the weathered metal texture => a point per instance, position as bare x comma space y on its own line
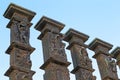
116, 54
81, 62
105, 62
19, 49
55, 59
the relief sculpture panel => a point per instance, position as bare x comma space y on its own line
20, 32
57, 46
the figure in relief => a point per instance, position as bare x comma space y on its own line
57, 46
23, 59
62, 49
111, 64
53, 47
23, 32
62, 46
14, 28
84, 57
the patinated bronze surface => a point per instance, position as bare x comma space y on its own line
106, 64
116, 54
55, 59
19, 49
81, 62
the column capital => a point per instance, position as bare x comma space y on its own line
74, 37
104, 59
12, 68
98, 42
115, 52
12, 9
20, 46
56, 61
100, 47
46, 24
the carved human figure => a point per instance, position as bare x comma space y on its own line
23, 59
20, 31
23, 33
78, 51
15, 32
53, 47
111, 64
86, 61
62, 46
28, 61
57, 46
62, 49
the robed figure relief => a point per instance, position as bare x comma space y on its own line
57, 46
85, 64
20, 32
111, 64
22, 58
83, 55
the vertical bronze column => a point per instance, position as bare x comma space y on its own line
19, 49
82, 63
116, 54
55, 60
105, 62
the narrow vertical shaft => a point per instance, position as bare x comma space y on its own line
116, 54
19, 49
81, 61
106, 64
55, 59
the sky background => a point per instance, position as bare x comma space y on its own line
96, 18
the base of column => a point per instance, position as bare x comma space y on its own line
109, 78
54, 60
82, 67
12, 68
55, 71
20, 46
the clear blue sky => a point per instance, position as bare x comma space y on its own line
96, 18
